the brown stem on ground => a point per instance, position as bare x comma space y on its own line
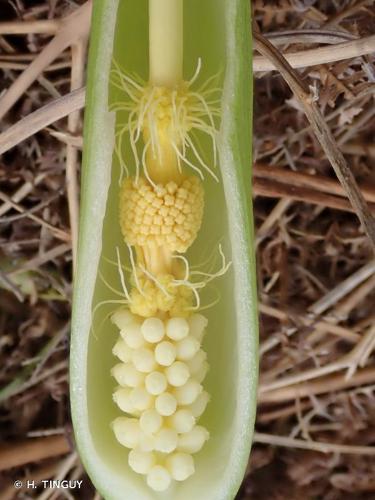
320, 55
41, 118
289, 442
73, 28
339, 331
72, 157
322, 132
32, 450
49, 26
298, 179
58, 233
265, 416
321, 386
275, 189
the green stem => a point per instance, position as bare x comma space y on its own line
166, 42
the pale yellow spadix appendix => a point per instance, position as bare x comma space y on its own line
163, 359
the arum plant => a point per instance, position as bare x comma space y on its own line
164, 340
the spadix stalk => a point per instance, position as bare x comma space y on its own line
166, 42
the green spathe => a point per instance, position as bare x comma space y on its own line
231, 341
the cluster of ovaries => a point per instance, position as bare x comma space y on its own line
162, 364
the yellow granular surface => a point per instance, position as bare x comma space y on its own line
164, 103
149, 298
167, 215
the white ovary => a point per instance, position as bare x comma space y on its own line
144, 360
150, 421
121, 397
141, 399
153, 330
192, 441
166, 440
132, 335
187, 348
165, 353
166, 404
127, 431
126, 374
122, 318
200, 375
122, 351
159, 478
180, 466
141, 461
197, 326
195, 364
199, 405
146, 442
177, 374
177, 328
183, 420
188, 393
156, 383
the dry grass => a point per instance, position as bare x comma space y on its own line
316, 270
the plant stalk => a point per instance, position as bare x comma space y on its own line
165, 42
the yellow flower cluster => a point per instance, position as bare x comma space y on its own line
162, 113
151, 297
167, 215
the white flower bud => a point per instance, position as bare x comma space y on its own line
126, 431
150, 421
177, 374
156, 383
177, 328
141, 399
183, 420
195, 364
127, 375
192, 442
200, 375
166, 440
188, 393
145, 442
144, 360
187, 348
122, 318
122, 351
133, 336
165, 404
141, 461
152, 330
197, 408
158, 478
165, 353
197, 324
180, 466
121, 397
